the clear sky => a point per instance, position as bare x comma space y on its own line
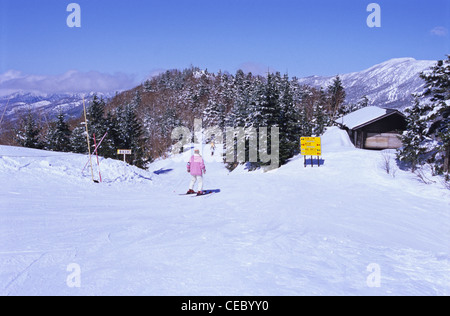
131, 39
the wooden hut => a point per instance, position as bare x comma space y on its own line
374, 127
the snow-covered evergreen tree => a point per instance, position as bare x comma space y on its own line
215, 110
150, 85
129, 133
58, 135
336, 93
255, 117
288, 121
363, 102
111, 143
78, 141
214, 113
305, 119
265, 107
413, 151
243, 94
438, 116
28, 135
320, 116
96, 118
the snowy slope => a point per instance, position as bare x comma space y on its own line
389, 84
292, 231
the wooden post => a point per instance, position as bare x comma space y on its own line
98, 162
87, 138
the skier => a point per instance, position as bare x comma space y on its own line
196, 167
213, 148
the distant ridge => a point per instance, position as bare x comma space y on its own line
389, 84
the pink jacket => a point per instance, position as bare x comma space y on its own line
196, 165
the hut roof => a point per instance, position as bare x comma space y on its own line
365, 116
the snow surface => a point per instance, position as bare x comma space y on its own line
292, 231
361, 116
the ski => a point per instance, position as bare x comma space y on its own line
207, 192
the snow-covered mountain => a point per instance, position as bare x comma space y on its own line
389, 84
46, 105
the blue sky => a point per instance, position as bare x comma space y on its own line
133, 39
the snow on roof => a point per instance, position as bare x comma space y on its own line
361, 116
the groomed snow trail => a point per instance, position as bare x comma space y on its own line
292, 231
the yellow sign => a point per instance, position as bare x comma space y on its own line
124, 151
311, 146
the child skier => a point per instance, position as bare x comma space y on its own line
196, 167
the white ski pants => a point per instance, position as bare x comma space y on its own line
194, 180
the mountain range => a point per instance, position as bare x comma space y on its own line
389, 85
15, 105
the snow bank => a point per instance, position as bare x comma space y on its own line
335, 139
73, 167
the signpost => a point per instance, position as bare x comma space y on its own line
311, 146
124, 152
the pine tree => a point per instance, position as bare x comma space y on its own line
321, 120
306, 124
129, 134
214, 113
96, 117
363, 102
97, 123
58, 135
110, 144
268, 113
215, 110
352, 107
288, 122
150, 85
438, 88
272, 111
169, 120
258, 103
78, 143
137, 99
413, 151
337, 96
307, 100
29, 133
243, 94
